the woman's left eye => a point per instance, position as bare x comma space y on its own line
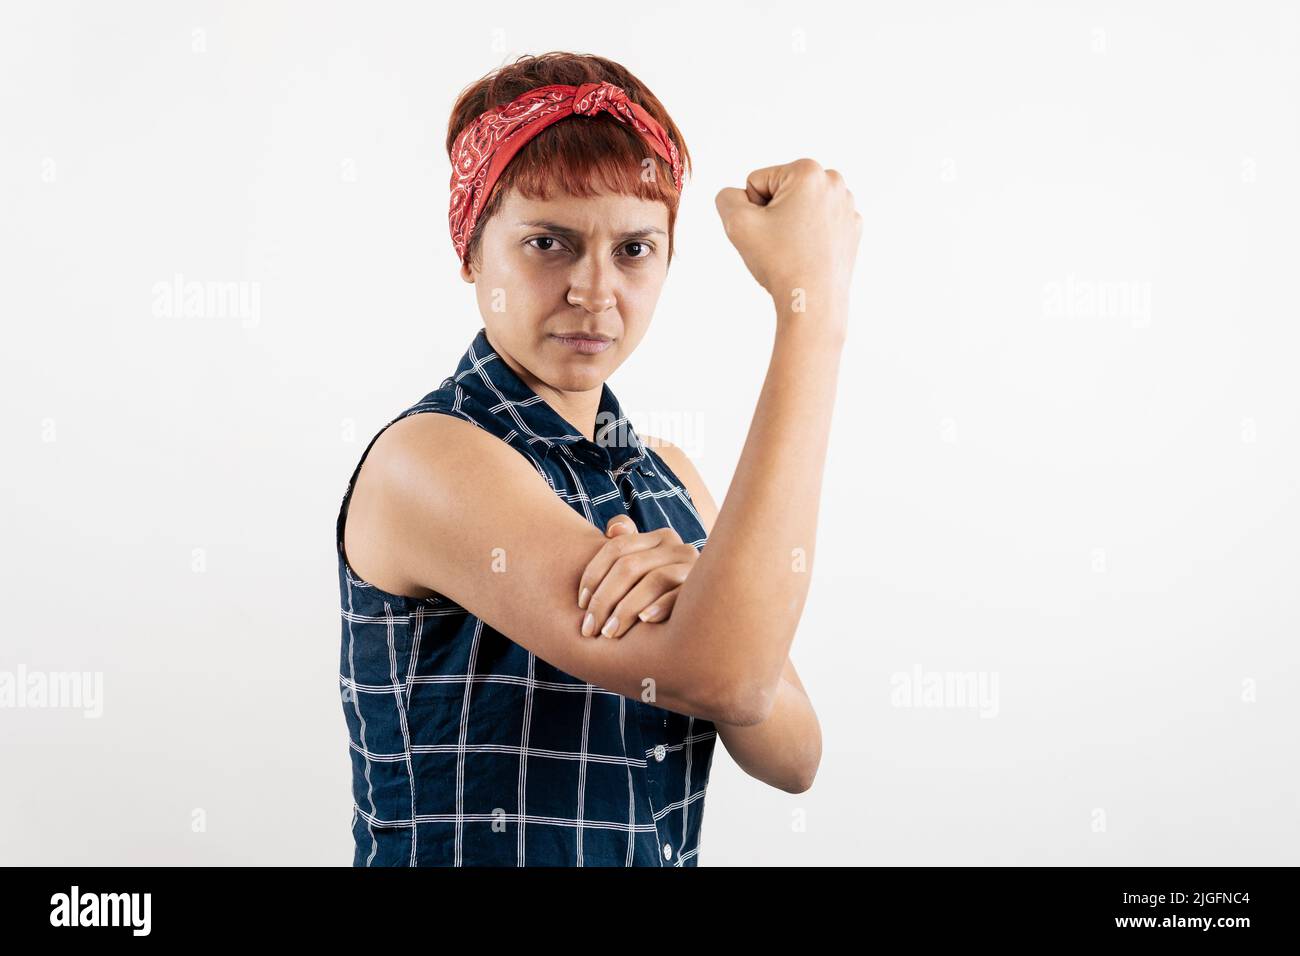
639, 245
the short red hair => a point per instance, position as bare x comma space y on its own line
580, 156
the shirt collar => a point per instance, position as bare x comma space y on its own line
495, 386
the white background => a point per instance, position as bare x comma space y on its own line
1095, 506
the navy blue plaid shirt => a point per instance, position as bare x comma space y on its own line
468, 749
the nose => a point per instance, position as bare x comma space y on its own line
591, 284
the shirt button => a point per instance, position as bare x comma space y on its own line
668, 851
660, 751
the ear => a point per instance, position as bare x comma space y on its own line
466, 273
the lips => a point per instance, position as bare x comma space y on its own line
584, 343
592, 336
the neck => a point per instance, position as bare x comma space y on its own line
579, 409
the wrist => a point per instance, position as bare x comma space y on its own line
822, 311
807, 337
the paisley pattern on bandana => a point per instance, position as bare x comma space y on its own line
485, 146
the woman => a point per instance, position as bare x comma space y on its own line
538, 652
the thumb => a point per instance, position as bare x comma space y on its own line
733, 207
620, 524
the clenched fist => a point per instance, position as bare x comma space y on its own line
796, 228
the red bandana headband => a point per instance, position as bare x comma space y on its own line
485, 146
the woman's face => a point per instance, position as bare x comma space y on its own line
553, 268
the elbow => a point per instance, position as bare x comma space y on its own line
802, 783
731, 691
805, 760
746, 703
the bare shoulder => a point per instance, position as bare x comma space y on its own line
685, 469
422, 467
425, 456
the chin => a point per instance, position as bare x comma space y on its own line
579, 380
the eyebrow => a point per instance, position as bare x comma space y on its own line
567, 231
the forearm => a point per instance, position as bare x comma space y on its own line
738, 611
784, 750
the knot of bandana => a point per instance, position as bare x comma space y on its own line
590, 98
483, 149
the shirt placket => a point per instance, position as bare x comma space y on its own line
654, 727
651, 724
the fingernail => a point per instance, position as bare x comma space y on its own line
588, 624
610, 627
582, 598
649, 613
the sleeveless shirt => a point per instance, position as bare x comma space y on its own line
469, 750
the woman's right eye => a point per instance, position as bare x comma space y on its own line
550, 239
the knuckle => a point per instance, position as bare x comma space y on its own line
672, 576
633, 562
617, 571
632, 567
677, 574
659, 576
